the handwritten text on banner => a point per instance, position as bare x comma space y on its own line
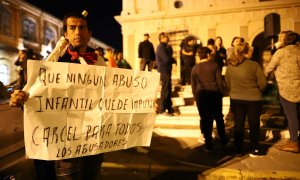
77, 110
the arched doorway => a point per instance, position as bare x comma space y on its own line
261, 45
262, 54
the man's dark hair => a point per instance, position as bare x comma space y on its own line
146, 35
75, 15
210, 41
162, 34
203, 51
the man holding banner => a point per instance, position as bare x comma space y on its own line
74, 111
77, 33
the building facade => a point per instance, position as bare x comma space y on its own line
202, 18
23, 26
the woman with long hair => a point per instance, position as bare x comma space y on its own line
220, 57
245, 80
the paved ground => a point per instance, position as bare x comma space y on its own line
176, 152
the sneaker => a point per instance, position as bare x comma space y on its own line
167, 114
289, 146
256, 153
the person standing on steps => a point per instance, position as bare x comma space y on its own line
146, 53
164, 61
207, 88
188, 48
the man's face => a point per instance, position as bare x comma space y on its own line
146, 37
77, 32
164, 39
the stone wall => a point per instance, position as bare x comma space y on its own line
204, 18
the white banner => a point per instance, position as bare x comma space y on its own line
78, 110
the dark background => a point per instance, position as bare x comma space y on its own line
101, 16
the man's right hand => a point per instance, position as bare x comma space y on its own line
18, 98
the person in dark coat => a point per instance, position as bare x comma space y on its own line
220, 56
207, 88
187, 58
146, 53
164, 61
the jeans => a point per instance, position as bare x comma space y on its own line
241, 110
146, 62
187, 64
292, 113
209, 104
88, 168
165, 94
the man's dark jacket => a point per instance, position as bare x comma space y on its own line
146, 50
164, 59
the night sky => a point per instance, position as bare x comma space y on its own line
104, 27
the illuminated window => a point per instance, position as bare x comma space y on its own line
4, 74
50, 36
29, 29
5, 27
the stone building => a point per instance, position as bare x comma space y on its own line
23, 25
204, 19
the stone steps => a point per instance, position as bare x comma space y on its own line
186, 124
192, 110
177, 122
189, 127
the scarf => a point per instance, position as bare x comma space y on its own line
89, 57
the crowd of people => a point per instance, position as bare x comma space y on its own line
238, 73
244, 80
235, 72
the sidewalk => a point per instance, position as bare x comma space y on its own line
181, 151
275, 165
